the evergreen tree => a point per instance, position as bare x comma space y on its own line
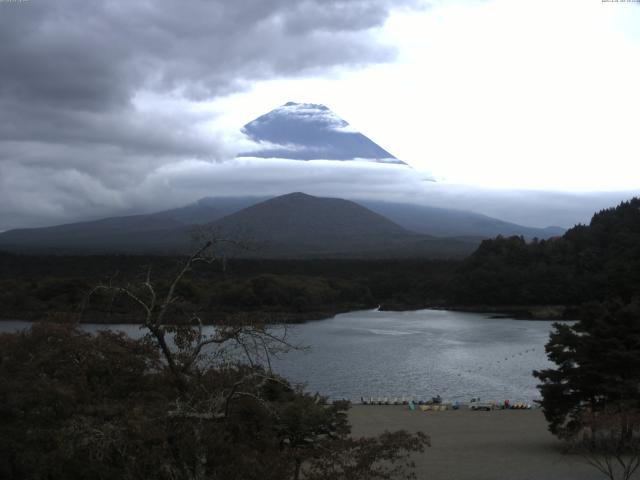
598, 366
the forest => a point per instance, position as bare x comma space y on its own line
48, 287
590, 262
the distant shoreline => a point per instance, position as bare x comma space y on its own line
515, 312
218, 318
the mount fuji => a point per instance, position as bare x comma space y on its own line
309, 131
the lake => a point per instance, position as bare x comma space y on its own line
421, 353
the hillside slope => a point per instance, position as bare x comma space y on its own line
299, 224
445, 222
589, 262
295, 225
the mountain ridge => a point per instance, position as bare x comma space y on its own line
170, 231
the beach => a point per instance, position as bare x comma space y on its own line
478, 445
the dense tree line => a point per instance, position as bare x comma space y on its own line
589, 262
41, 287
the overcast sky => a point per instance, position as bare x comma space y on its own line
516, 107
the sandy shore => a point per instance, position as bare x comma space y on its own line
468, 445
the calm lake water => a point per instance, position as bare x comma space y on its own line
419, 353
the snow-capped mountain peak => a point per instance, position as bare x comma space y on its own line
309, 131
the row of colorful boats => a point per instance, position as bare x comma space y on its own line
398, 401
436, 404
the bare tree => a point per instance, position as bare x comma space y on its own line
610, 441
313, 435
184, 342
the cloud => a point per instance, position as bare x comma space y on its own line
73, 54
70, 194
103, 95
106, 108
499, 93
353, 179
535, 208
365, 180
539, 94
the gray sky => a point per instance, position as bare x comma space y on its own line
118, 107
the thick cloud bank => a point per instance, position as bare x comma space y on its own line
366, 180
183, 182
97, 97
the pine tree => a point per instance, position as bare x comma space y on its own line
598, 367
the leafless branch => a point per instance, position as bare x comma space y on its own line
257, 343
